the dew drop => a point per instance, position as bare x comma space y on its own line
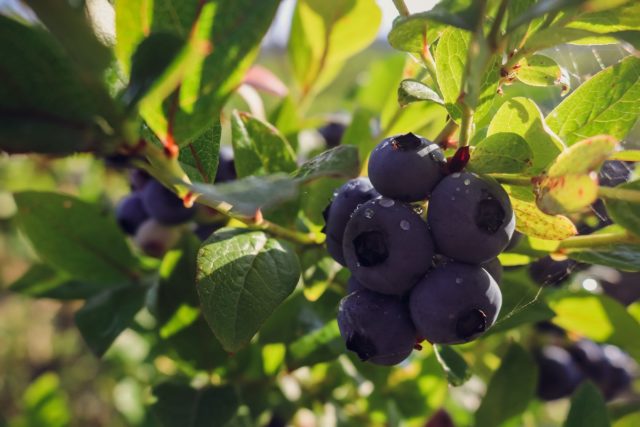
404, 224
467, 181
386, 203
458, 280
368, 213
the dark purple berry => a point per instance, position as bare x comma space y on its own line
470, 217
226, 165
376, 327
353, 285
387, 246
155, 239
494, 268
558, 374
337, 213
131, 213
406, 167
455, 303
548, 272
332, 133
165, 206
138, 179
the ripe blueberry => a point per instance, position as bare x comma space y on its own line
376, 327
471, 218
165, 206
332, 133
455, 303
549, 272
138, 179
591, 358
558, 374
353, 285
406, 167
622, 367
338, 212
387, 246
131, 213
494, 268
155, 239
226, 165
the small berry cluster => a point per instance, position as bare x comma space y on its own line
561, 370
152, 214
415, 279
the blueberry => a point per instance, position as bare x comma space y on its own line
165, 206
353, 285
131, 213
622, 367
332, 133
155, 239
138, 179
558, 374
387, 246
455, 303
440, 419
591, 358
515, 239
376, 327
337, 213
226, 165
494, 268
614, 172
471, 218
548, 272
203, 231
406, 167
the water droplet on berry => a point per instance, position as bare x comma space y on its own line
404, 224
386, 203
458, 280
467, 181
368, 213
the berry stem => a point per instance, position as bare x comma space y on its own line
466, 124
402, 7
623, 194
494, 35
445, 136
595, 240
506, 178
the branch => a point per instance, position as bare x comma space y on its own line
623, 194
402, 7
594, 240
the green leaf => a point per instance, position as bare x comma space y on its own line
46, 104
626, 156
106, 315
521, 303
539, 9
597, 317
584, 156
77, 237
244, 197
501, 153
623, 18
199, 159
42, 281
359, 133
587, 408
531, 221
417, 32
411, 90
242, 277
258, 147
222, 43
624, 213
321, 345
506, 398
451, 57
453, 364
567, 193
590, 110
630, 420
68, 24
180, 405
622, 256
44, 403
540, 70
338, 162
383, 77
325, 34
151, 59
523, 117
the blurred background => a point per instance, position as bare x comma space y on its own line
47, 375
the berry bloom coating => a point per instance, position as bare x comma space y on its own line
558, 374
155, 239
455, 303
337, 213
353, 285
387, 246
226, 165
471, 218
376, 327
406, 167
165, 206
131, 213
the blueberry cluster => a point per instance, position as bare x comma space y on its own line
415, 278
152, 214
561, 370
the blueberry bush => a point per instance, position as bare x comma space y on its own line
453, 239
